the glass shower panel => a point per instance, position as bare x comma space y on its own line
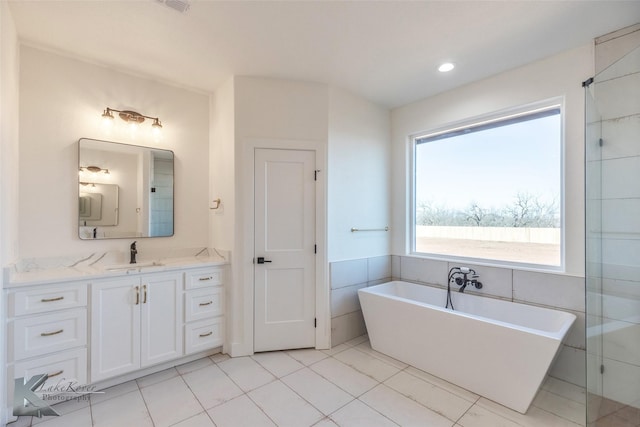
593, 246
612, 203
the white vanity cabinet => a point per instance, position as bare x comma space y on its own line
47, 332
204, 309
135, 322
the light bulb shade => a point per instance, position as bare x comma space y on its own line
106, 115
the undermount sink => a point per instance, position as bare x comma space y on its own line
137, 265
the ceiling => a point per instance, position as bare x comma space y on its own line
385, 51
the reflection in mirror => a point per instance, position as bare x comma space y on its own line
125, 190
98, 204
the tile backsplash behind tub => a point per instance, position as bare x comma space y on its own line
346, 278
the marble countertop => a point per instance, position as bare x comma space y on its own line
39, 271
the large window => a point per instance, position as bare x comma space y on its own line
492, 189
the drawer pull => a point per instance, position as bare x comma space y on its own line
48, 334
55, 374
206, 335
137, 295
51, 299
202, 279
145, 294
205, 303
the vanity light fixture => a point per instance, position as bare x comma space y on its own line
93, 169
132, 118
446, 67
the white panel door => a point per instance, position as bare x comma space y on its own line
285, 239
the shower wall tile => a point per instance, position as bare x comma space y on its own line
621, 342
594, 303
612, 268
620, 259
621, 216
622, 288
347, 273
594, 180
622, 308
345, 300
424, 270
620, 137
622, 382
379, 268
554, 290
619, 97
617, 174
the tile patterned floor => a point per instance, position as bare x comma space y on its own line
349, 385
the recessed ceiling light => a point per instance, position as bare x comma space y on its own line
447, 66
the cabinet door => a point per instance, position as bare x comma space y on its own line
161, 331
115, 327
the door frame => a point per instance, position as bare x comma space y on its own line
243, 342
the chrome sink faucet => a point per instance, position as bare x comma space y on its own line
133, 251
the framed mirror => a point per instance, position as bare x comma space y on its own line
124, 191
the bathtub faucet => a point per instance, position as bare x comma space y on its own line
465, 281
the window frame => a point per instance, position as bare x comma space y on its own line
474, 121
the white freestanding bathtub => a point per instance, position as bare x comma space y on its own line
498, 349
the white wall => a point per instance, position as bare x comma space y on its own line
559, 75
247, 112
359, 177
61, 100
221, 164
9, 82
272, 113
222, 186
9, 79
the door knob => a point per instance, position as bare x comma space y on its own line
261, 260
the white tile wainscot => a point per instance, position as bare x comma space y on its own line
98, 327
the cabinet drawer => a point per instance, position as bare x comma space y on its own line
203, 277
62, 368
203, 303
38, 335
41, 300
203, 335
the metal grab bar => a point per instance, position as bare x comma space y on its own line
353, 230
